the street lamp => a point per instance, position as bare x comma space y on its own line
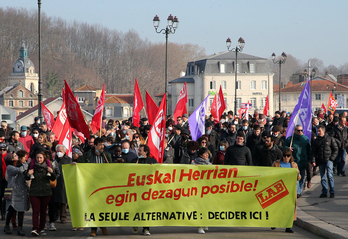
173, 24
281, 61
40, 75
237, 49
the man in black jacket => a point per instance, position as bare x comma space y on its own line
342, 142
324, 152
238, 154
268, 153
253, 138
230, 135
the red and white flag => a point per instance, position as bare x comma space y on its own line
98, 114
218, 106
266, 108
151, 108
214, 110
332, 105
60, 120
48, 116
181, 107
74, 113
80, 135
323, 108
247, 112
157, 133
66, 138
138, 104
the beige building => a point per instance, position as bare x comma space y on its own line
320, 93
204, 76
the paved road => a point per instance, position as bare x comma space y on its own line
64, 231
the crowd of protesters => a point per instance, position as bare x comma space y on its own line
32, 159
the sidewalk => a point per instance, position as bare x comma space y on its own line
326, 217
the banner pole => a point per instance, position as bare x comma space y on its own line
296, 118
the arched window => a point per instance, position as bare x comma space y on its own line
21, 93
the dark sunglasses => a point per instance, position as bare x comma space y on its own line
287, 155
300, 130
3, 149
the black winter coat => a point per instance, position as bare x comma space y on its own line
40, 186
238, 155
324, 149
266, 156
341, 135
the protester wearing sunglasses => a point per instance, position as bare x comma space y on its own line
287, 161
299, 144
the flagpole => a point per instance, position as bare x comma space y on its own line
296, 118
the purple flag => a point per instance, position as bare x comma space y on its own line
302, 114
197, 120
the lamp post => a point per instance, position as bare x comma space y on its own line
173, 23
40, 75
237, 49
281, 61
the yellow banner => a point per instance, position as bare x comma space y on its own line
131, 195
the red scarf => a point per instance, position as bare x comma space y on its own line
4, 167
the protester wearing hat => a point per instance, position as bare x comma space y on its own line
14, 145
213, 136
180, 146
8, 130
77, 155
144, 121
277, 119
185, 123
26, 139
175, 135
36, 124
3, 182
35, 135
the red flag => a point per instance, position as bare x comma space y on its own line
221, 103
181, 107
74, 113
214, 110
60, 120
48, 116
98, 114
151, 108
157, 132
332, 104
266, 108
323, 108
218, 106
138, 104
241, 112
66, 138
80, 135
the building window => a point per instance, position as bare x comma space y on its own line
212, 85
6, 117
336, 95
253, 103
125, 112
252, 68
190, 101
317, 96
239, 85
30, 103
20, 103
222, 68
81, 99
238, 68
108, 112
223, 85
10, 103
21, 93
263, 102
253, 85
239, 103
263, 85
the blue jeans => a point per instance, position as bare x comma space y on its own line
302, 180
341, 162
329, 175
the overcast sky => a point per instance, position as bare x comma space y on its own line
304, 29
